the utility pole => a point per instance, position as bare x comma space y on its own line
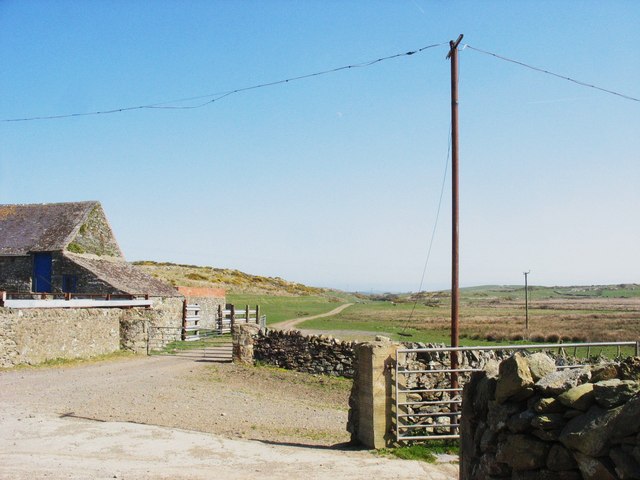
526, 301
455, 264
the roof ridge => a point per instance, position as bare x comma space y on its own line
46, 204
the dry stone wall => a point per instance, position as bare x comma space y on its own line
310, 354
528, 420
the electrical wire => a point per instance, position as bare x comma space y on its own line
433, 233
537, 69
220, 95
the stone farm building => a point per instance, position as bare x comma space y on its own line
68, 251
67, 248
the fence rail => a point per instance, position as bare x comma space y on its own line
434, 412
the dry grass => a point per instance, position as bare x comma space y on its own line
607, 319
233, 281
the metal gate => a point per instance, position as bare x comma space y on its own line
195, 339
426, 405
207, 344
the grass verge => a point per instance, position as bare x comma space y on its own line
424, 452
69, 362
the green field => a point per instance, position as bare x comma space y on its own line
488, 315
280, 308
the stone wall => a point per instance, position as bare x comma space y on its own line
15, 273
95, 236
135, 323
528, 420
309, 354
36, 335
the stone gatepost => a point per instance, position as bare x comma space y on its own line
243, 335
371, 415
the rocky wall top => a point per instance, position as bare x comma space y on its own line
530, 420
311, 354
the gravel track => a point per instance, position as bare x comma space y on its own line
170, 417
290, 324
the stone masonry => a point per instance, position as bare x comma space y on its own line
528, 420
34, 336
309, 354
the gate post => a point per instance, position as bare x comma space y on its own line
220, 320
233, 316
371, 415
183, 333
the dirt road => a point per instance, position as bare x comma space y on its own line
290, 324
167, 417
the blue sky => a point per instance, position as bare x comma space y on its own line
334, 180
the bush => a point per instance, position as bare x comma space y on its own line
553, 338
196, 276
537, 337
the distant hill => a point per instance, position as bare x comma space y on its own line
233, 281
507, 293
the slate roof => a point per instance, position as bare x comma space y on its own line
123, 276
40, 227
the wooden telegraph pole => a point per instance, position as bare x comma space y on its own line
526, 302
455, 264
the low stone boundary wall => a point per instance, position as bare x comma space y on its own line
309, 354
135, 323
34, 336
528, 420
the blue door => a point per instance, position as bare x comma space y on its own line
42, 272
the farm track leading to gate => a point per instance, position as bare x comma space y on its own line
141, 418
290, 324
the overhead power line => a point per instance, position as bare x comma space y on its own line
214, 97
542, 70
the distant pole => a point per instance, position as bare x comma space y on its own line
526, 301
455, 264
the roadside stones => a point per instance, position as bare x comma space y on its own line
548, 405
577, 423
589, 433
560, 459
625, 465
557, 382
603, 372
579, 397
630, 369
515, 380
593, 468
550, 421
614, 392
540, 365
521, 452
